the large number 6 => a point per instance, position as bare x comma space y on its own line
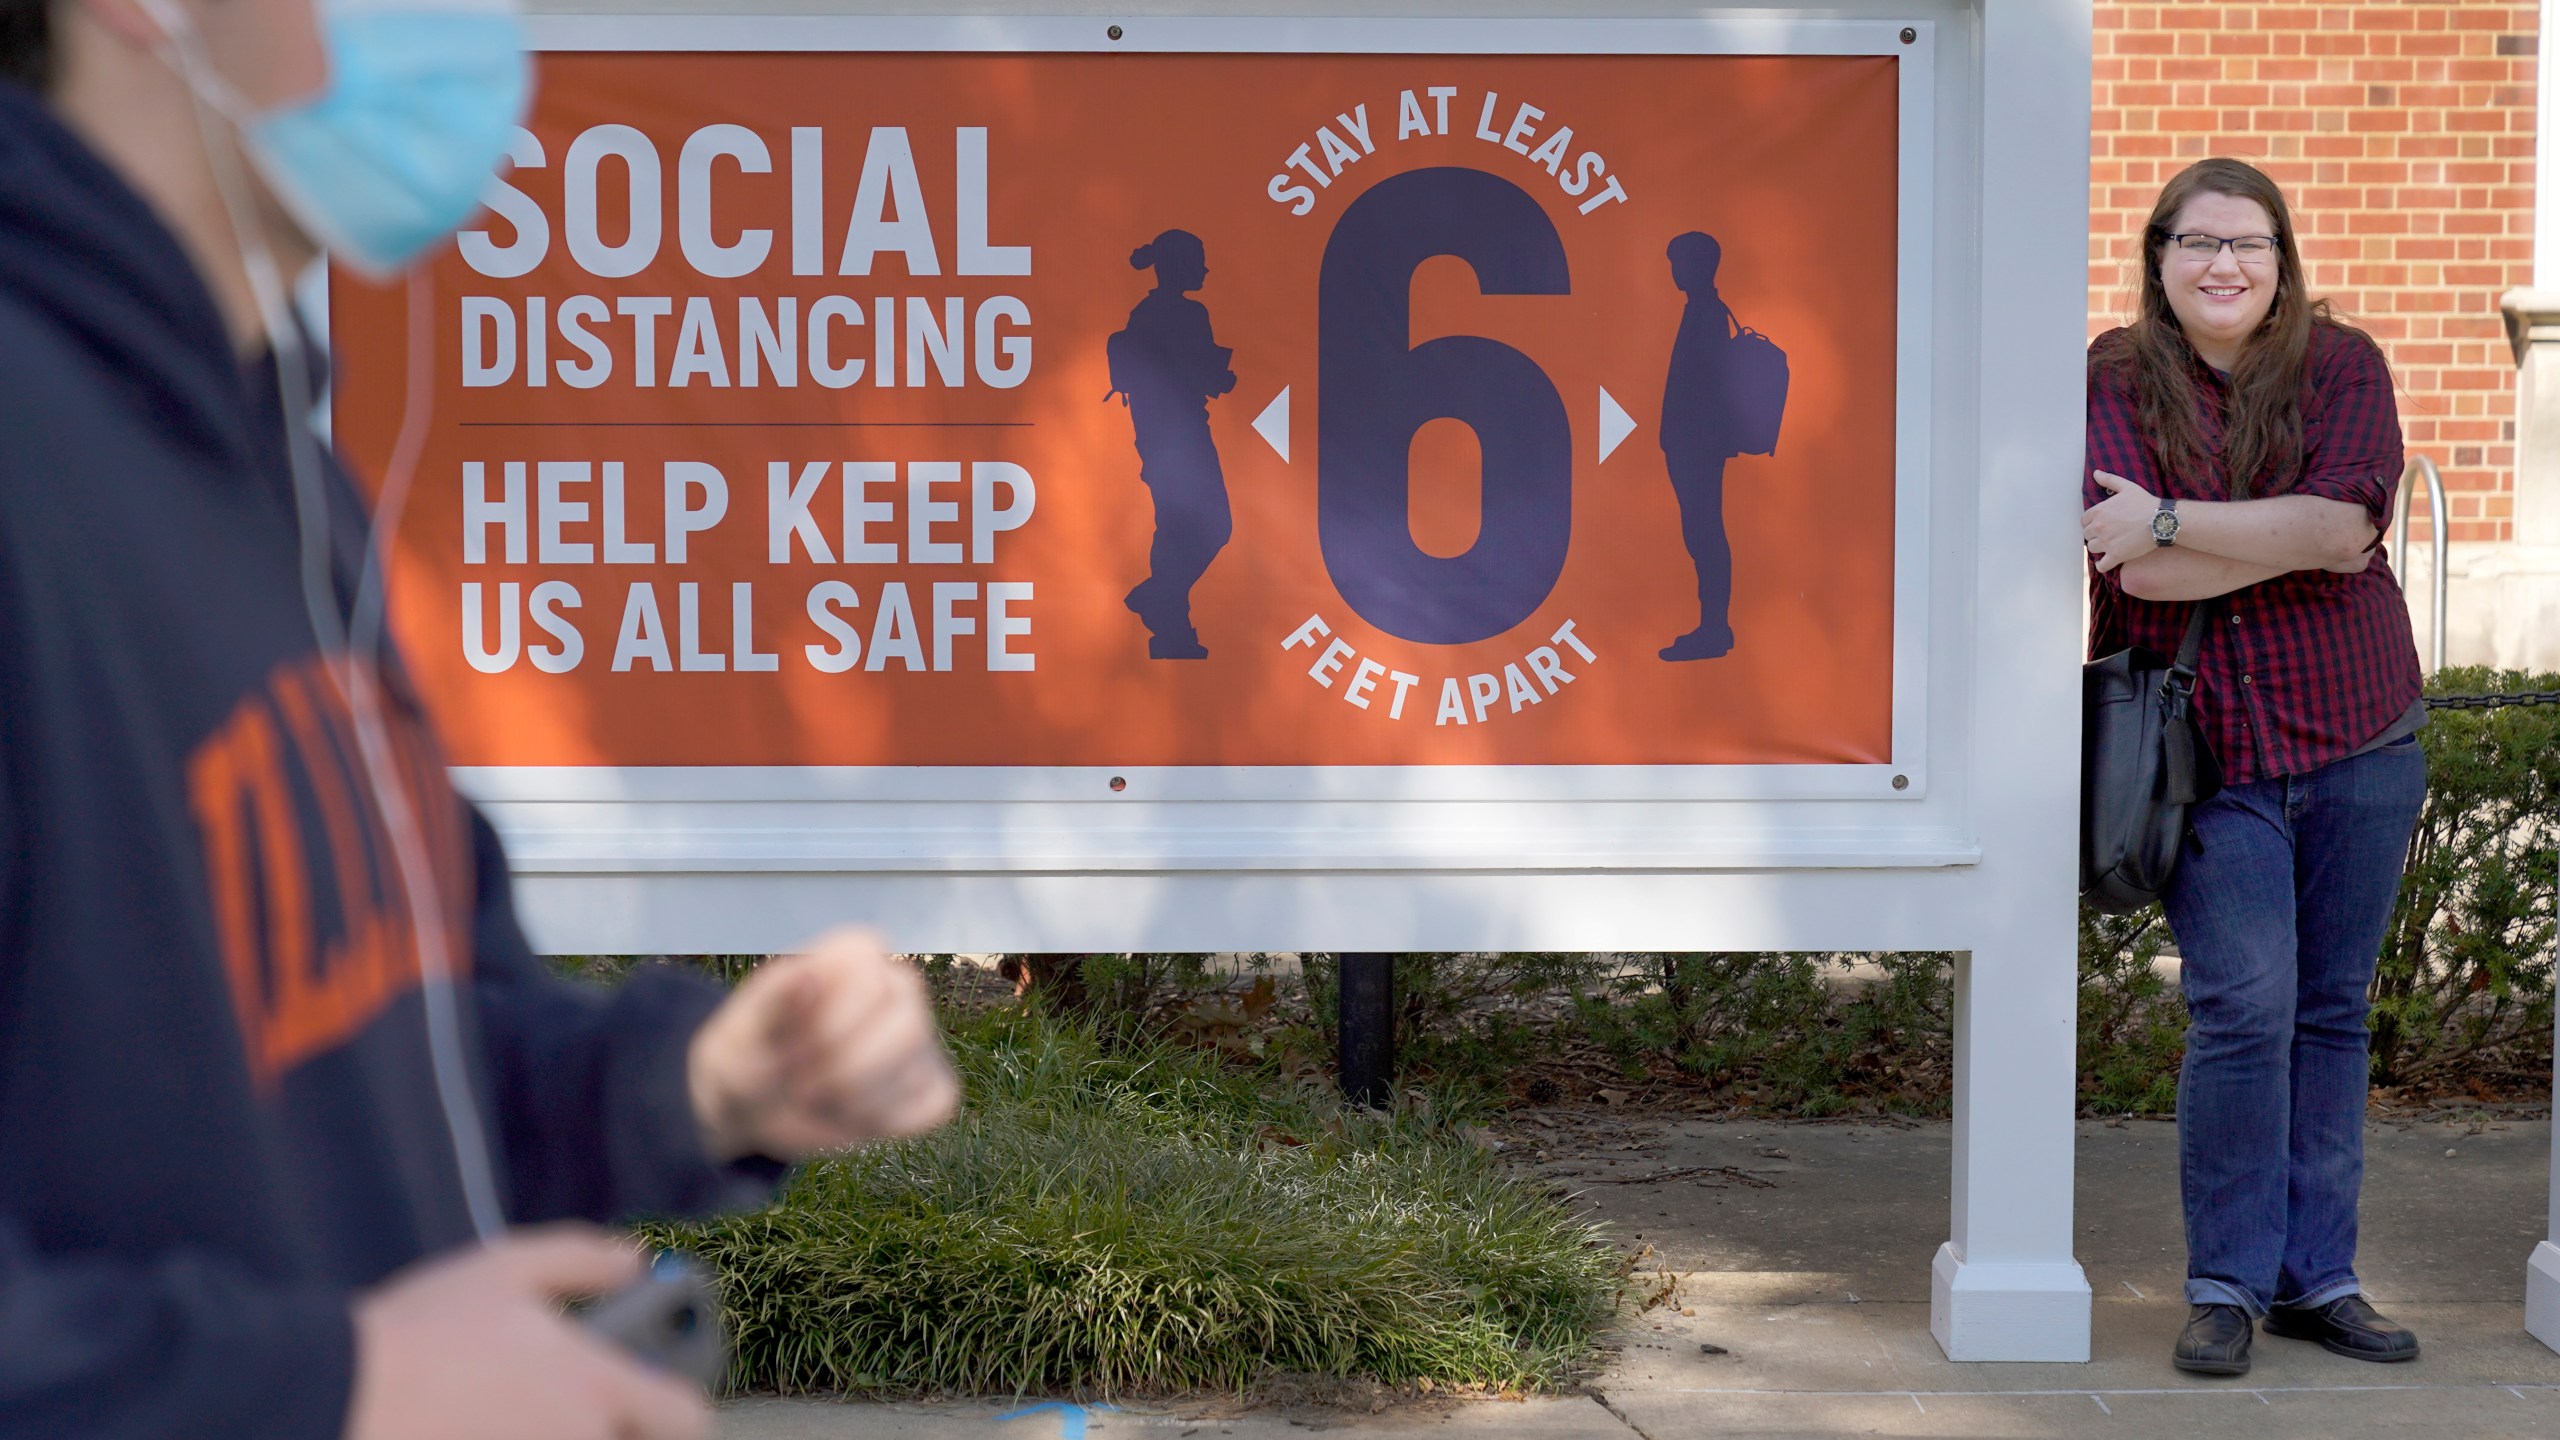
1375, 388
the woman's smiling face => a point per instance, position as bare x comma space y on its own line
2219, 301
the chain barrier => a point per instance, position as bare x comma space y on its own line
2492, 702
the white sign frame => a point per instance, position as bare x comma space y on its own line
1974, 853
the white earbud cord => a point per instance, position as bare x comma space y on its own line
354, 660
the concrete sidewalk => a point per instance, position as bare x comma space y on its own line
1803, 1254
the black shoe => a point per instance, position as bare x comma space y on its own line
2349, 1326
2215, 1342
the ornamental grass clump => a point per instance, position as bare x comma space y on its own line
1139, 1219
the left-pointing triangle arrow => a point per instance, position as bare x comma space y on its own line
1273, 423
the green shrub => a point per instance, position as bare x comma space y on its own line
2464, 984
1135, 1218
611, 969
1785, 1026
1463, 1018
1139, 987
2133, 1024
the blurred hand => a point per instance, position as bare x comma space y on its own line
820, 1051
2354, 565
472, 1345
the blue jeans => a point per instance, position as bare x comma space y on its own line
2279, 907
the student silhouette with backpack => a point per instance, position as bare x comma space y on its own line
1724, 396
1166, 368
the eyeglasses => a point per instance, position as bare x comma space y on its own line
2206, 247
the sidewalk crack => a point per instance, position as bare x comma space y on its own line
1612, 1407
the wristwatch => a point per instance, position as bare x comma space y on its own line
2164, 522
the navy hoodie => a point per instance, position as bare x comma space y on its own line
217, 1118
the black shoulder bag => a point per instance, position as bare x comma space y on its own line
2143, 765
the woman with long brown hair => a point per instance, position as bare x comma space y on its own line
2243, 452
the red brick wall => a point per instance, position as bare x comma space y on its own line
2402, 134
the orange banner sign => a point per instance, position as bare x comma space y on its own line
1048, 410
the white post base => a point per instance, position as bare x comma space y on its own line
2542, 1294
2012, 1312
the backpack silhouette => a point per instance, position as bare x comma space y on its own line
1756, 394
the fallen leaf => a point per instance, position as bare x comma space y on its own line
1261, 997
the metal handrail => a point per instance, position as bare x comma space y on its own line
2436, 541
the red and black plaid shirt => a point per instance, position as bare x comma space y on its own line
2308, 667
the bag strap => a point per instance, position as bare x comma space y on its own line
2191, 649
2182, 776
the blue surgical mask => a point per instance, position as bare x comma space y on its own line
422, 101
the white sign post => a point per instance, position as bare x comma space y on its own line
1962, 838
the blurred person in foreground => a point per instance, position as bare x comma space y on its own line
247, 1186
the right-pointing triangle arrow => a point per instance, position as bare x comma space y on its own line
1273, 423
1615, 423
